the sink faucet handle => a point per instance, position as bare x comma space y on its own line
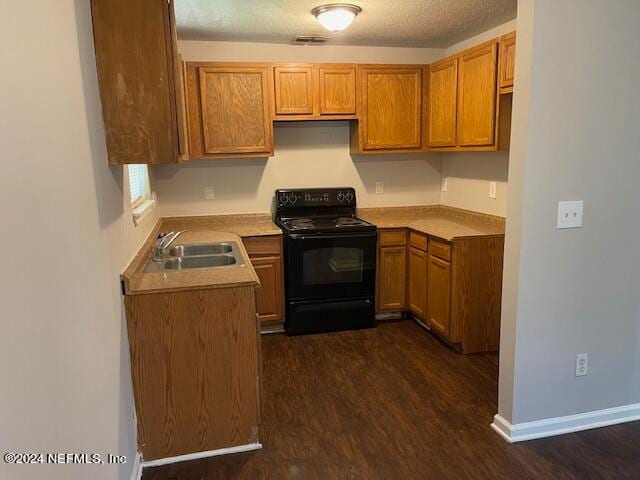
163, 241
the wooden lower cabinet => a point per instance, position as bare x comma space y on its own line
392, 278
269, 298
417, 285
454, 287
392, 270
266, 256
195, 370
439, 295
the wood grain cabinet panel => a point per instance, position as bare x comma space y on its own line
391, 113
507, 59
229, 110
139, 98
392, 277
443, 89
294, 90
337, 90
439, 295
392, 238
266, 256
269, 296
234, 111
195, 367
417, 286
477, 96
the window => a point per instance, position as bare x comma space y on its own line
140, 191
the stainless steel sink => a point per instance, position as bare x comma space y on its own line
192, 249
203, 261
198, 255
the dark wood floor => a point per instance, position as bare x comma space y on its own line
394, 403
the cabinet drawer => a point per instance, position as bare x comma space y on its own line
418, 241
440, 250
390, 238
261, 246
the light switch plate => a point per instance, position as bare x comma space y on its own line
445, 184
209, 193
570, 214
379, 187
493, 189
582, 364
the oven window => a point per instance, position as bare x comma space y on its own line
332, 265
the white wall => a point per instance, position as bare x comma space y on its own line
468, 174
277, 52
575, 137
67, 234
306, 154
498, 31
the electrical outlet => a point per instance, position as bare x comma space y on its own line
379, 187
493, 189
582, 360
570, 214
209, 193
445, 184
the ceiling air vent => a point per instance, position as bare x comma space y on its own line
307, 39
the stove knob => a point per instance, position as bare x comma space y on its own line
284, 198
349, 196
340, 197
293, 198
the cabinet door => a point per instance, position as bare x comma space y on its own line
269, 296
418, 282
138, 97
391, 116
439, 295
392, 278
477, 96
337, 91
235, 109
507, 59
443, 88
294, 90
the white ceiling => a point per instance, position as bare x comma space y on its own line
403, 23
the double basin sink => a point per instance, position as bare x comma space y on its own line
198, 255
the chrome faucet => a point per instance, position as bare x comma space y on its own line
163, 242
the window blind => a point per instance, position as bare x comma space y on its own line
138, 182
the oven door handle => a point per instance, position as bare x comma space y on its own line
332, 237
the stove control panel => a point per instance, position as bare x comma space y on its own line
316, 197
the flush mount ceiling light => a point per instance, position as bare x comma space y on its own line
335, 17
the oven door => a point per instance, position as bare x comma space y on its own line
327, 266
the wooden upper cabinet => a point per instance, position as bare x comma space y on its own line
507, 59
443, 89
229, 110
314, 91
391, 113
294, 90
337, 90
139, 98
477, 96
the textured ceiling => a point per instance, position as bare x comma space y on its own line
404, 23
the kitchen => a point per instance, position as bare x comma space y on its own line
307, 242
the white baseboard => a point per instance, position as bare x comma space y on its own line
136, 473
196, 456
550, 427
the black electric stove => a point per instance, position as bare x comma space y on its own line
330, 260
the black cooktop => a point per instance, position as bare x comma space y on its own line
331, 224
